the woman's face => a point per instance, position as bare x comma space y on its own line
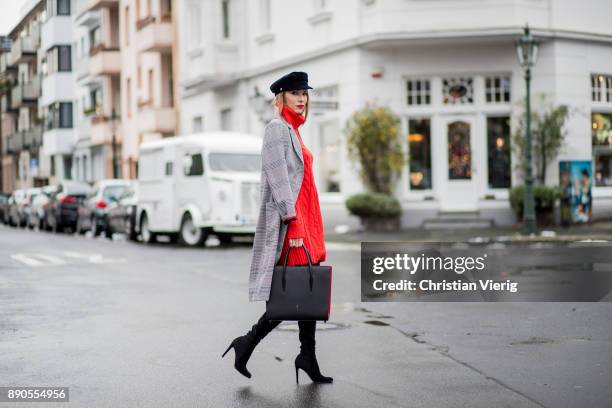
296, 100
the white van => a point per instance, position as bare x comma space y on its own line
196, 185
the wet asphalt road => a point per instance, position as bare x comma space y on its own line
128, 325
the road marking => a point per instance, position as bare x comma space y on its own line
92, 258
35, 259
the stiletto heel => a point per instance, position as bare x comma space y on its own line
228, 349
296, 376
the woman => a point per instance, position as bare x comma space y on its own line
289, 195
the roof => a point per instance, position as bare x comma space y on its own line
217, 141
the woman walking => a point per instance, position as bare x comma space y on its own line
289, 217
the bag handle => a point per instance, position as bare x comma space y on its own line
311, 278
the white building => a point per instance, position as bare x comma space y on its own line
447, 67
58, 88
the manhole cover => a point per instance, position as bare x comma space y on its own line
293, 326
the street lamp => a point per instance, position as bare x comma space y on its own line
114, 143
527, 49
261, 106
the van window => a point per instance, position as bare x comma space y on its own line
235, 162
193, 165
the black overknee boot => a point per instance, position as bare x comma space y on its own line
307, 359
244, 345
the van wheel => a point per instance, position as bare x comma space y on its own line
189, 234
147, 236
224, 238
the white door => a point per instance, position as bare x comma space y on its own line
458, 191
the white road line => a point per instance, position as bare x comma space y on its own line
35, 259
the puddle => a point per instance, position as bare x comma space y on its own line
533, 340
321, 326
376, 323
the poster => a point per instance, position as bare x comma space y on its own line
576, 183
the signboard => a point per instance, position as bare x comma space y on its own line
576, 181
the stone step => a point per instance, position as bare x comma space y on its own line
457, 220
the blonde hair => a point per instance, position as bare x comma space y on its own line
279, 101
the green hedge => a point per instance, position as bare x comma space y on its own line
544, 197
374, 205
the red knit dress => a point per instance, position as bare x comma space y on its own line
308, 223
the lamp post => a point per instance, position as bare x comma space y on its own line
114, 142
260, 104
527, 49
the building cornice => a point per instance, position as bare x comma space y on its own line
500, 35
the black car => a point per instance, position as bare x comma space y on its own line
4, 208
62, 209
121, 214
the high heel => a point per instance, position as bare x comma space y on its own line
244, 345
307, 359
296, 376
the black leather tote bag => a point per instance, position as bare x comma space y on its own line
300, 292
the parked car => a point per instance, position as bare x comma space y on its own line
43, 209
196, 185
31, 194
38, 206
4, 198
121, 215
16, 208
62, 209
92, 211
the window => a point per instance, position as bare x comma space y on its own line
459, 151
457, 91
197, 124
195, 25
226, 119
58, 115
497, 89
418, 91
67, 167
419, 153
63, 7
235, 162
58, 59
128, 97
193, 165
226, 22
264, 19
127, 25
601, 88
329, 162
169, 168
601, 129
498, 141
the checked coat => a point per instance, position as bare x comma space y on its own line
282, 173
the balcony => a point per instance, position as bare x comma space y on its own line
7, 72
58, 141
155, 34
13, 143
24, 48
104, 61
32, 137
25, 93
102, 130
97, 4
153, 119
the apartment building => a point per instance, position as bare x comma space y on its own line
98, 93
448, 68
148, 97
21, 124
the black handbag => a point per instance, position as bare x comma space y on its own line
300, 292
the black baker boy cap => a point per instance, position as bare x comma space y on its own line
294, 81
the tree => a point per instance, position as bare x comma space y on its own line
374, 141
547, 129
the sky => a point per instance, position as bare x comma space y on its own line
9, 14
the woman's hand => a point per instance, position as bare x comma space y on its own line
296, 242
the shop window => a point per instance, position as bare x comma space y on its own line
497, 89
418, 92
329, 164
419, 153
498, 145
458, 91
602, 148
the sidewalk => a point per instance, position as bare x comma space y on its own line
601, 230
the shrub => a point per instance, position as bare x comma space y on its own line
544, 197
367, 205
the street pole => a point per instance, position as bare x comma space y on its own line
529, 206
114, 143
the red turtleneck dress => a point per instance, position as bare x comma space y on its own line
308, 223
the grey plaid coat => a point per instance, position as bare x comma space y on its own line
282, 172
